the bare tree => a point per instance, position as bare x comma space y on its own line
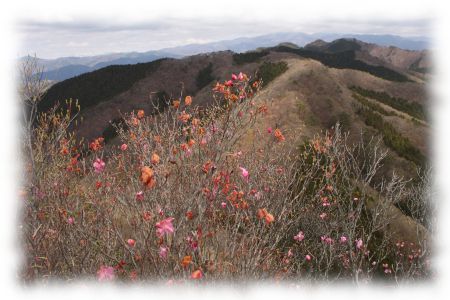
32, 87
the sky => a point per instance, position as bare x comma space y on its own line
156, 27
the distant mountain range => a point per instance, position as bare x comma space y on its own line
67, 67
364, 86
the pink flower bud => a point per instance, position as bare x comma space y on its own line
140, 196
299, 237
131, 242
163, 251
359, 243
245, 173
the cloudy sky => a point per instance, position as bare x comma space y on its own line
78, 32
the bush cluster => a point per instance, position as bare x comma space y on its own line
414, 109
182, 199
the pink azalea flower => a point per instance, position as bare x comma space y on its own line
40, 194
229, 83
164, 226
245, 173
214, 129
308, 257
223, 204
123, 147
163, 251
214, 192
192, 243
359, 243
240, 76
290, 253
131, 242
140, 196
234, 77
70, 220
269, 130
299, 237
170, 282
99, 165
343, 239
105, 273
326, 240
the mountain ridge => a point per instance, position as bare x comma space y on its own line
324, 87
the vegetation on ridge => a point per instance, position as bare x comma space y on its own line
268, 71
394, 140
248, 57
411, 108
95, 87
346, 60
204, 76
182, 200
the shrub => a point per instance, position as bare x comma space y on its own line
373, 106
268, 71
346, 60
204, 76
412, 108
394, 140
248, 57
182, 199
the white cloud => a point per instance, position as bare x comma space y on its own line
88, 36
143, 27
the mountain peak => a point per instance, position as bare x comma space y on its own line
289, 45
317, 44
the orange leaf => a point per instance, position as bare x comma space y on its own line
155, 159
140, 114
269, 218
197, 274
188, 100
186, 261
147, 177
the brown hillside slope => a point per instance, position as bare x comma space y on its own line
310, 97
302, 108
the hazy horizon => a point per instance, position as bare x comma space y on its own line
79, 38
